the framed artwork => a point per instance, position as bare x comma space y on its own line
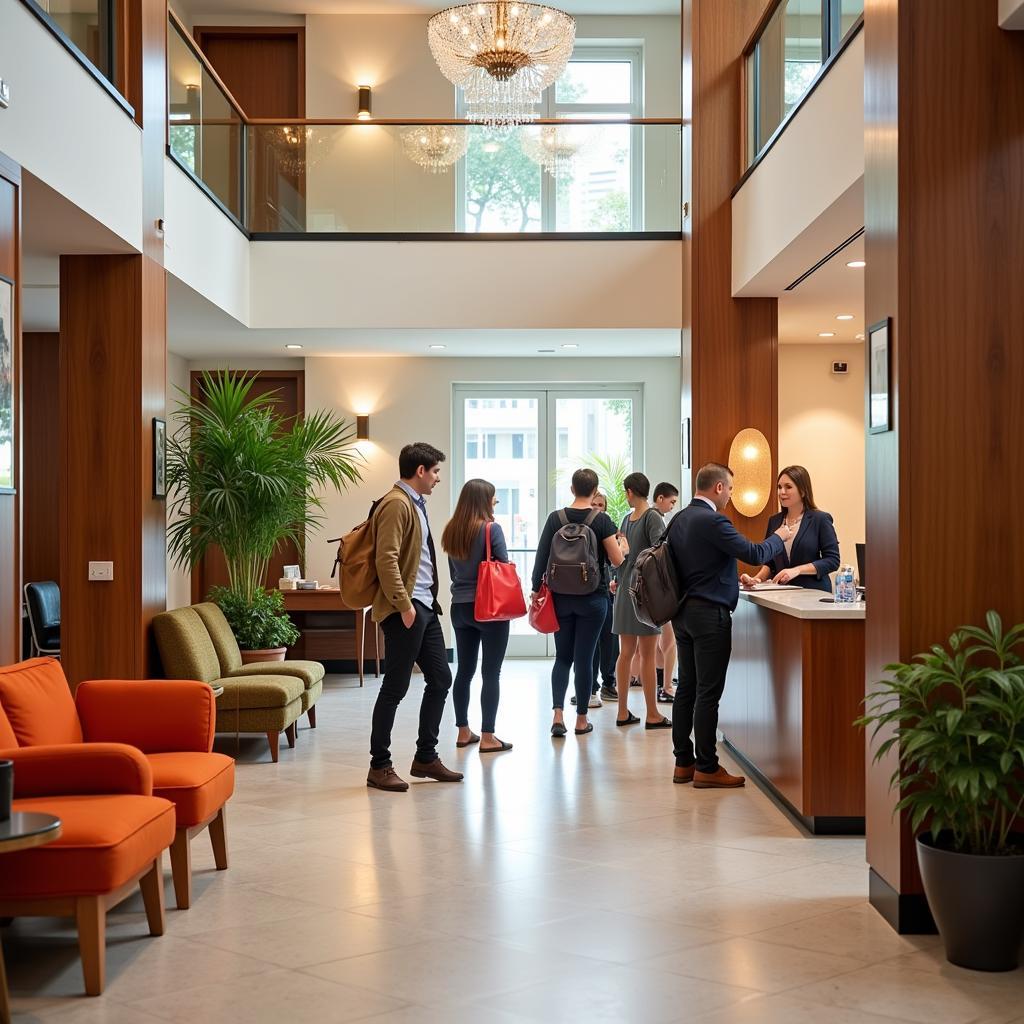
879, 370
684, 442
159, 458
7, 407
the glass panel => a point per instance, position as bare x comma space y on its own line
849, 12
594, 190
503, 184
596, 81
89, 24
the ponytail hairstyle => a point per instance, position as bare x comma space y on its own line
474, 508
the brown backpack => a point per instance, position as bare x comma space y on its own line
357, 556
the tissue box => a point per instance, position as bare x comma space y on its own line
287, 584
307, 585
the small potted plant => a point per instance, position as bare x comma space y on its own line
261, 625
955, 716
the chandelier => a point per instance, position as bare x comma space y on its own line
298, 148
503, 54
435, 146
555, 148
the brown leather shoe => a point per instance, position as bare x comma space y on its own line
434, 770
720, 779
387, 779
682, 775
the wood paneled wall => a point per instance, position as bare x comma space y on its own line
730, 346
944, 91
10, 541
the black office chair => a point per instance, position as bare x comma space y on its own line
43, 603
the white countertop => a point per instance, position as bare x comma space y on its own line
803, 604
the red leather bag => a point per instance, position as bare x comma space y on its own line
499, 594
542, 611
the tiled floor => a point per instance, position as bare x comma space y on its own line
568, 880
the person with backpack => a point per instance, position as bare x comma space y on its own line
642, 528
665, 497
406, 606
575, 545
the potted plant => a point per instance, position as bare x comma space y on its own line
243, 478
955, 716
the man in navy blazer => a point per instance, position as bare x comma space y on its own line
705, 546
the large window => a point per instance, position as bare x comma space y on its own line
598, 186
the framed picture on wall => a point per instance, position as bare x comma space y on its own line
159, 458
879, 369
7, 407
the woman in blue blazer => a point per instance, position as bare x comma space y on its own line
813, 552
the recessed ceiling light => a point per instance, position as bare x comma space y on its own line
545, 351
827, 334
293, 346
845, 316
572, 347
437, 348
857, 264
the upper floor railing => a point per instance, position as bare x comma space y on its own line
341, 178
791, 50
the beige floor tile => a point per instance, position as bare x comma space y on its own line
817, 881
933, 960
785, 1009
88, 1011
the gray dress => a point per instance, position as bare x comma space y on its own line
644, 533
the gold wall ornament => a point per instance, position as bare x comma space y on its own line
503, 54
750, 459
435, 147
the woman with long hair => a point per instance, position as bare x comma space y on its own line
464, 541
812, 551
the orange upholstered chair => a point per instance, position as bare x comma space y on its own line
170, 721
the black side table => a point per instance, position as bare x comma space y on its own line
22, 832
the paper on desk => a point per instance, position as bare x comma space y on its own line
772, 586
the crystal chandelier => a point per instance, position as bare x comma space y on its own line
435, 146
298, 148
555, 148
503, 54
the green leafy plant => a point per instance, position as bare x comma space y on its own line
258, 624
243, 478
611, 470
955, 715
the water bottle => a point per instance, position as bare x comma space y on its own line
845, 590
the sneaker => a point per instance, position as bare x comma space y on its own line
665, 698
595, 701
609, 692
572, 700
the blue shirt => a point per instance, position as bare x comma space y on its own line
465, 570
422, 590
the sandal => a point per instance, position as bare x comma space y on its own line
665, 723
558, 729
630, 720
635, 682
583, 732
496, 750
468, 743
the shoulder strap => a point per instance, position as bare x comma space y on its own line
592, 515
562, 517
487, 539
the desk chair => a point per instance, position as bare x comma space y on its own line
43, 603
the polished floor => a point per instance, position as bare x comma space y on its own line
568, 880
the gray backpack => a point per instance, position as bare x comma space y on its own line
573, 565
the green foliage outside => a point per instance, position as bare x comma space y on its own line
955, 718
501, 177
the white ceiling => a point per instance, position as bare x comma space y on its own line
204, 8
812, 307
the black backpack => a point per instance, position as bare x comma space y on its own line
573, 564
654, 588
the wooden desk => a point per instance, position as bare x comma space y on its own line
795, 686
331, 631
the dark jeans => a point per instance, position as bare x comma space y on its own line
704, 641
580, 618
422, 644
469, 635
607, 651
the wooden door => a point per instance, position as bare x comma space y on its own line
265, 69
288, 386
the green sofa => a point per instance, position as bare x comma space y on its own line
267, 697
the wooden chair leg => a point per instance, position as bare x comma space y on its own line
311, 715
274, 739
91, 916
181, 869
290, 734
5, 1000
152, 885
219, 840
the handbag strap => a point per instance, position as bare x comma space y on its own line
487, 540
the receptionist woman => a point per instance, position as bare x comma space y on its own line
812, 552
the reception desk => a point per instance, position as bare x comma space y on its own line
795, 686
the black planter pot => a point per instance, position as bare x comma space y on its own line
978, 904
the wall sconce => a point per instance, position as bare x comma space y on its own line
750, 459
362, 428
364, 113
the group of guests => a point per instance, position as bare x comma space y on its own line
800, 549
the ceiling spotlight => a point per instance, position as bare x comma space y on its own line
545, 351
827, 334
437, 348
293, 346
857, 264
845, 316
571, 347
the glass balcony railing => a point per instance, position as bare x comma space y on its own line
786, 59
591, 176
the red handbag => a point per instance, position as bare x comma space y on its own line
499, 594
542, 611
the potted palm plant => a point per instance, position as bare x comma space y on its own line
243, 478
955, 716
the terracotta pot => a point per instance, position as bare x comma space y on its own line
267, 654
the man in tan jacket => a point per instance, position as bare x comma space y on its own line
407, 609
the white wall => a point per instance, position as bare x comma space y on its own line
65, 129
1011, 14
821, 427
411, 399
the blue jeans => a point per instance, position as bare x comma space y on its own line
580, 619
469, 635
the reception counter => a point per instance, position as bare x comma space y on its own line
795, 686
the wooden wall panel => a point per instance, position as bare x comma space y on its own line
945, 243
40, 475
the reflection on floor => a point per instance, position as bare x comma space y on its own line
568, 880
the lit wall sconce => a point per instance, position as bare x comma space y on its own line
750, 458
365, 111
362, 428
